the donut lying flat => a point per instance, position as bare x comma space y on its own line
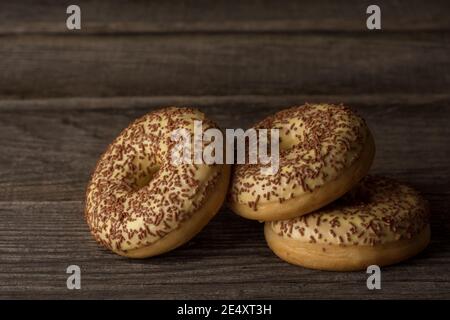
324, 151
138, 204
379, 222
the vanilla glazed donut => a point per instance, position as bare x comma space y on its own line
380, 222
138, 204
325, 150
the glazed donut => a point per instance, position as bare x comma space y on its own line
138, 204
380, 222
324, 151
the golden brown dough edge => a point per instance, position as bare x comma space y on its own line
312, 201
189, 228
344, 258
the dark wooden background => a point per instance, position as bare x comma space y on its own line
64, 95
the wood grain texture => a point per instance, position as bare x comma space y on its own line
49, 148
223, 64
103, 16
228, 259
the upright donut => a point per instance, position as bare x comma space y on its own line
138, 204
380, 222
325, 150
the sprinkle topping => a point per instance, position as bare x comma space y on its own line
136, 196
317, 142
378, 210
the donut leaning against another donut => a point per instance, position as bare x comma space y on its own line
380, 222
325, 150
137, 203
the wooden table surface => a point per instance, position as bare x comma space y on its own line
64, 95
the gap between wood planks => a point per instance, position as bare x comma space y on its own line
143, 102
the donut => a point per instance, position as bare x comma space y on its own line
138, 203
380, 222
325, 150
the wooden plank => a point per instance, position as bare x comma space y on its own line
102, 16
49, 147
228, 259
223, 64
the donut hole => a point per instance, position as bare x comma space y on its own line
143, 177
287, 140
